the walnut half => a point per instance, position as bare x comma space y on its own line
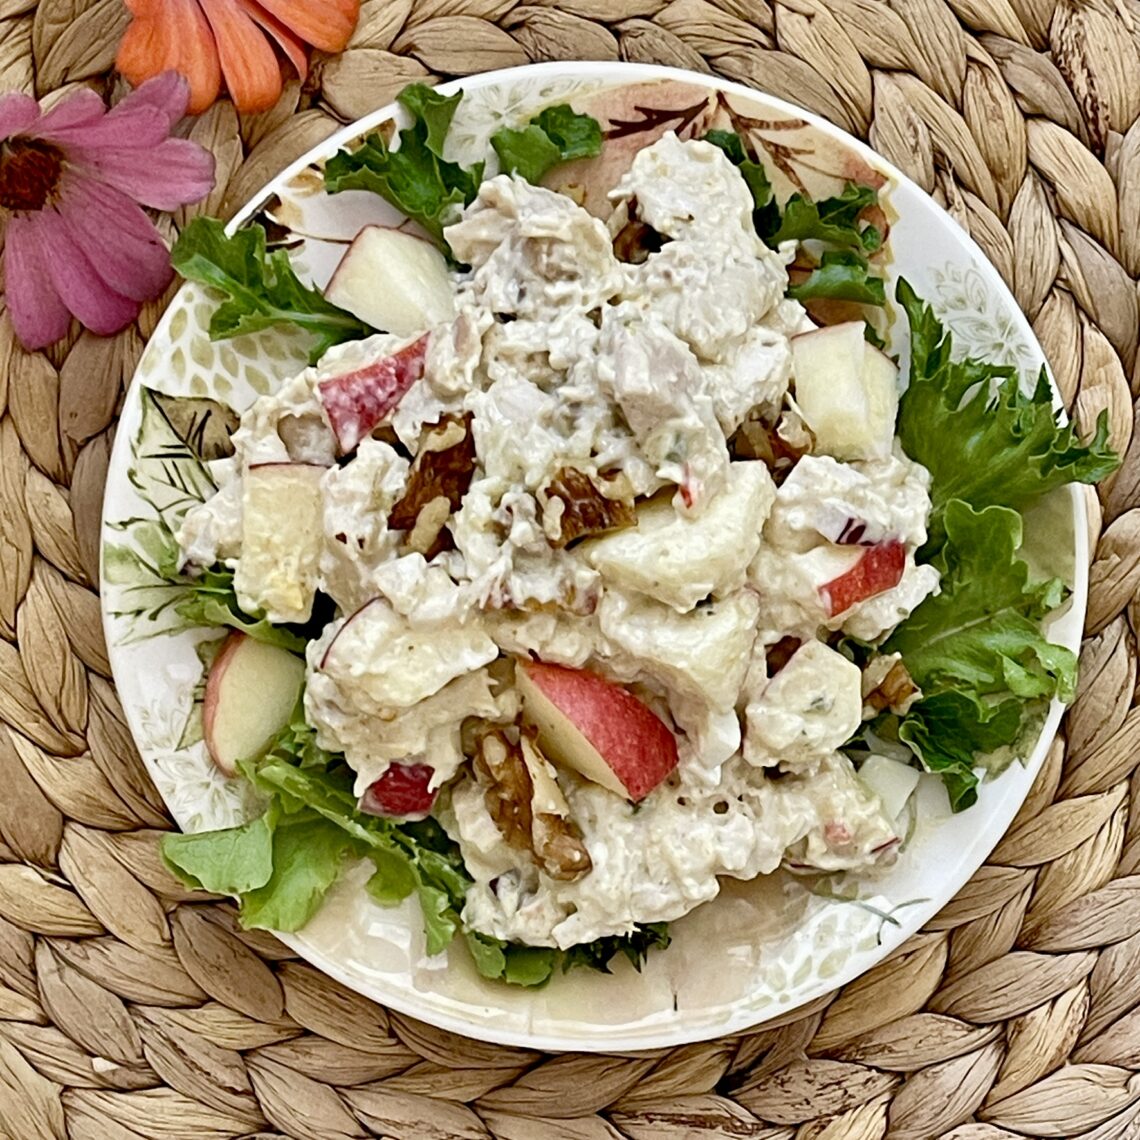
506, 770
438, 480
581, 508
443, 468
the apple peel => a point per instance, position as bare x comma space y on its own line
596, 727
251, 691
879, 569
356, 402
401, 792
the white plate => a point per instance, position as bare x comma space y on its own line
761, 948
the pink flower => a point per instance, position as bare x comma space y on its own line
73, 181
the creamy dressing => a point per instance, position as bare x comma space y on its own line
634, 375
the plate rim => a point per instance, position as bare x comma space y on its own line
671, 1033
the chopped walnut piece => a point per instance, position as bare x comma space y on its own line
443, 468
575, 507
552, 840
425, 534
888, 685
634, 240
559, 848
756, 438
779, 654
507, 791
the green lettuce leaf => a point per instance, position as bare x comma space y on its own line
209, 600
949, 731
983, 440
842, 275
433, 110
308, 856
415, 177
555, 135
635, 947
420, 853
261, 288
977, 650
982, 634
227, 862
834, 221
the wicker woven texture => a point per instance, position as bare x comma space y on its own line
130, 1008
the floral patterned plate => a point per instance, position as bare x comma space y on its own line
761, 948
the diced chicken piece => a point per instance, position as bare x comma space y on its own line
810, 708
533, 250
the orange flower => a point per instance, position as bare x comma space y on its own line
211, 40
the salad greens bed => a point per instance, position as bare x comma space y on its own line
976, 650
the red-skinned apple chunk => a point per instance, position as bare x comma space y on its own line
878, 570
401, 792
251, 691
596, 727
356, 402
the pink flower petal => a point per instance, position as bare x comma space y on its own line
78, 282
168, 93
38, 314
142, 119
172, 174
82, 109
17, 113
120, 240
143, 127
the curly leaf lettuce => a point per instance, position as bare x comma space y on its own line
417, 179
414, 177
557, 134
261, 288
950, 731
836, 221
977, 650
982, 438
842, 275
982, 633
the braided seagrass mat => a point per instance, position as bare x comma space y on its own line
131, 1008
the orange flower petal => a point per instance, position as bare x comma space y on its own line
249, 63
171, 35
293, 47
327, 24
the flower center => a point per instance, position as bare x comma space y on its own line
29, 173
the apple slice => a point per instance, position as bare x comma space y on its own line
596, 727
251, 691
879, 569
847, 391
355, 402
393, 281
401, 792
281, 539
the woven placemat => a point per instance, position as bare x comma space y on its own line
129, 1008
